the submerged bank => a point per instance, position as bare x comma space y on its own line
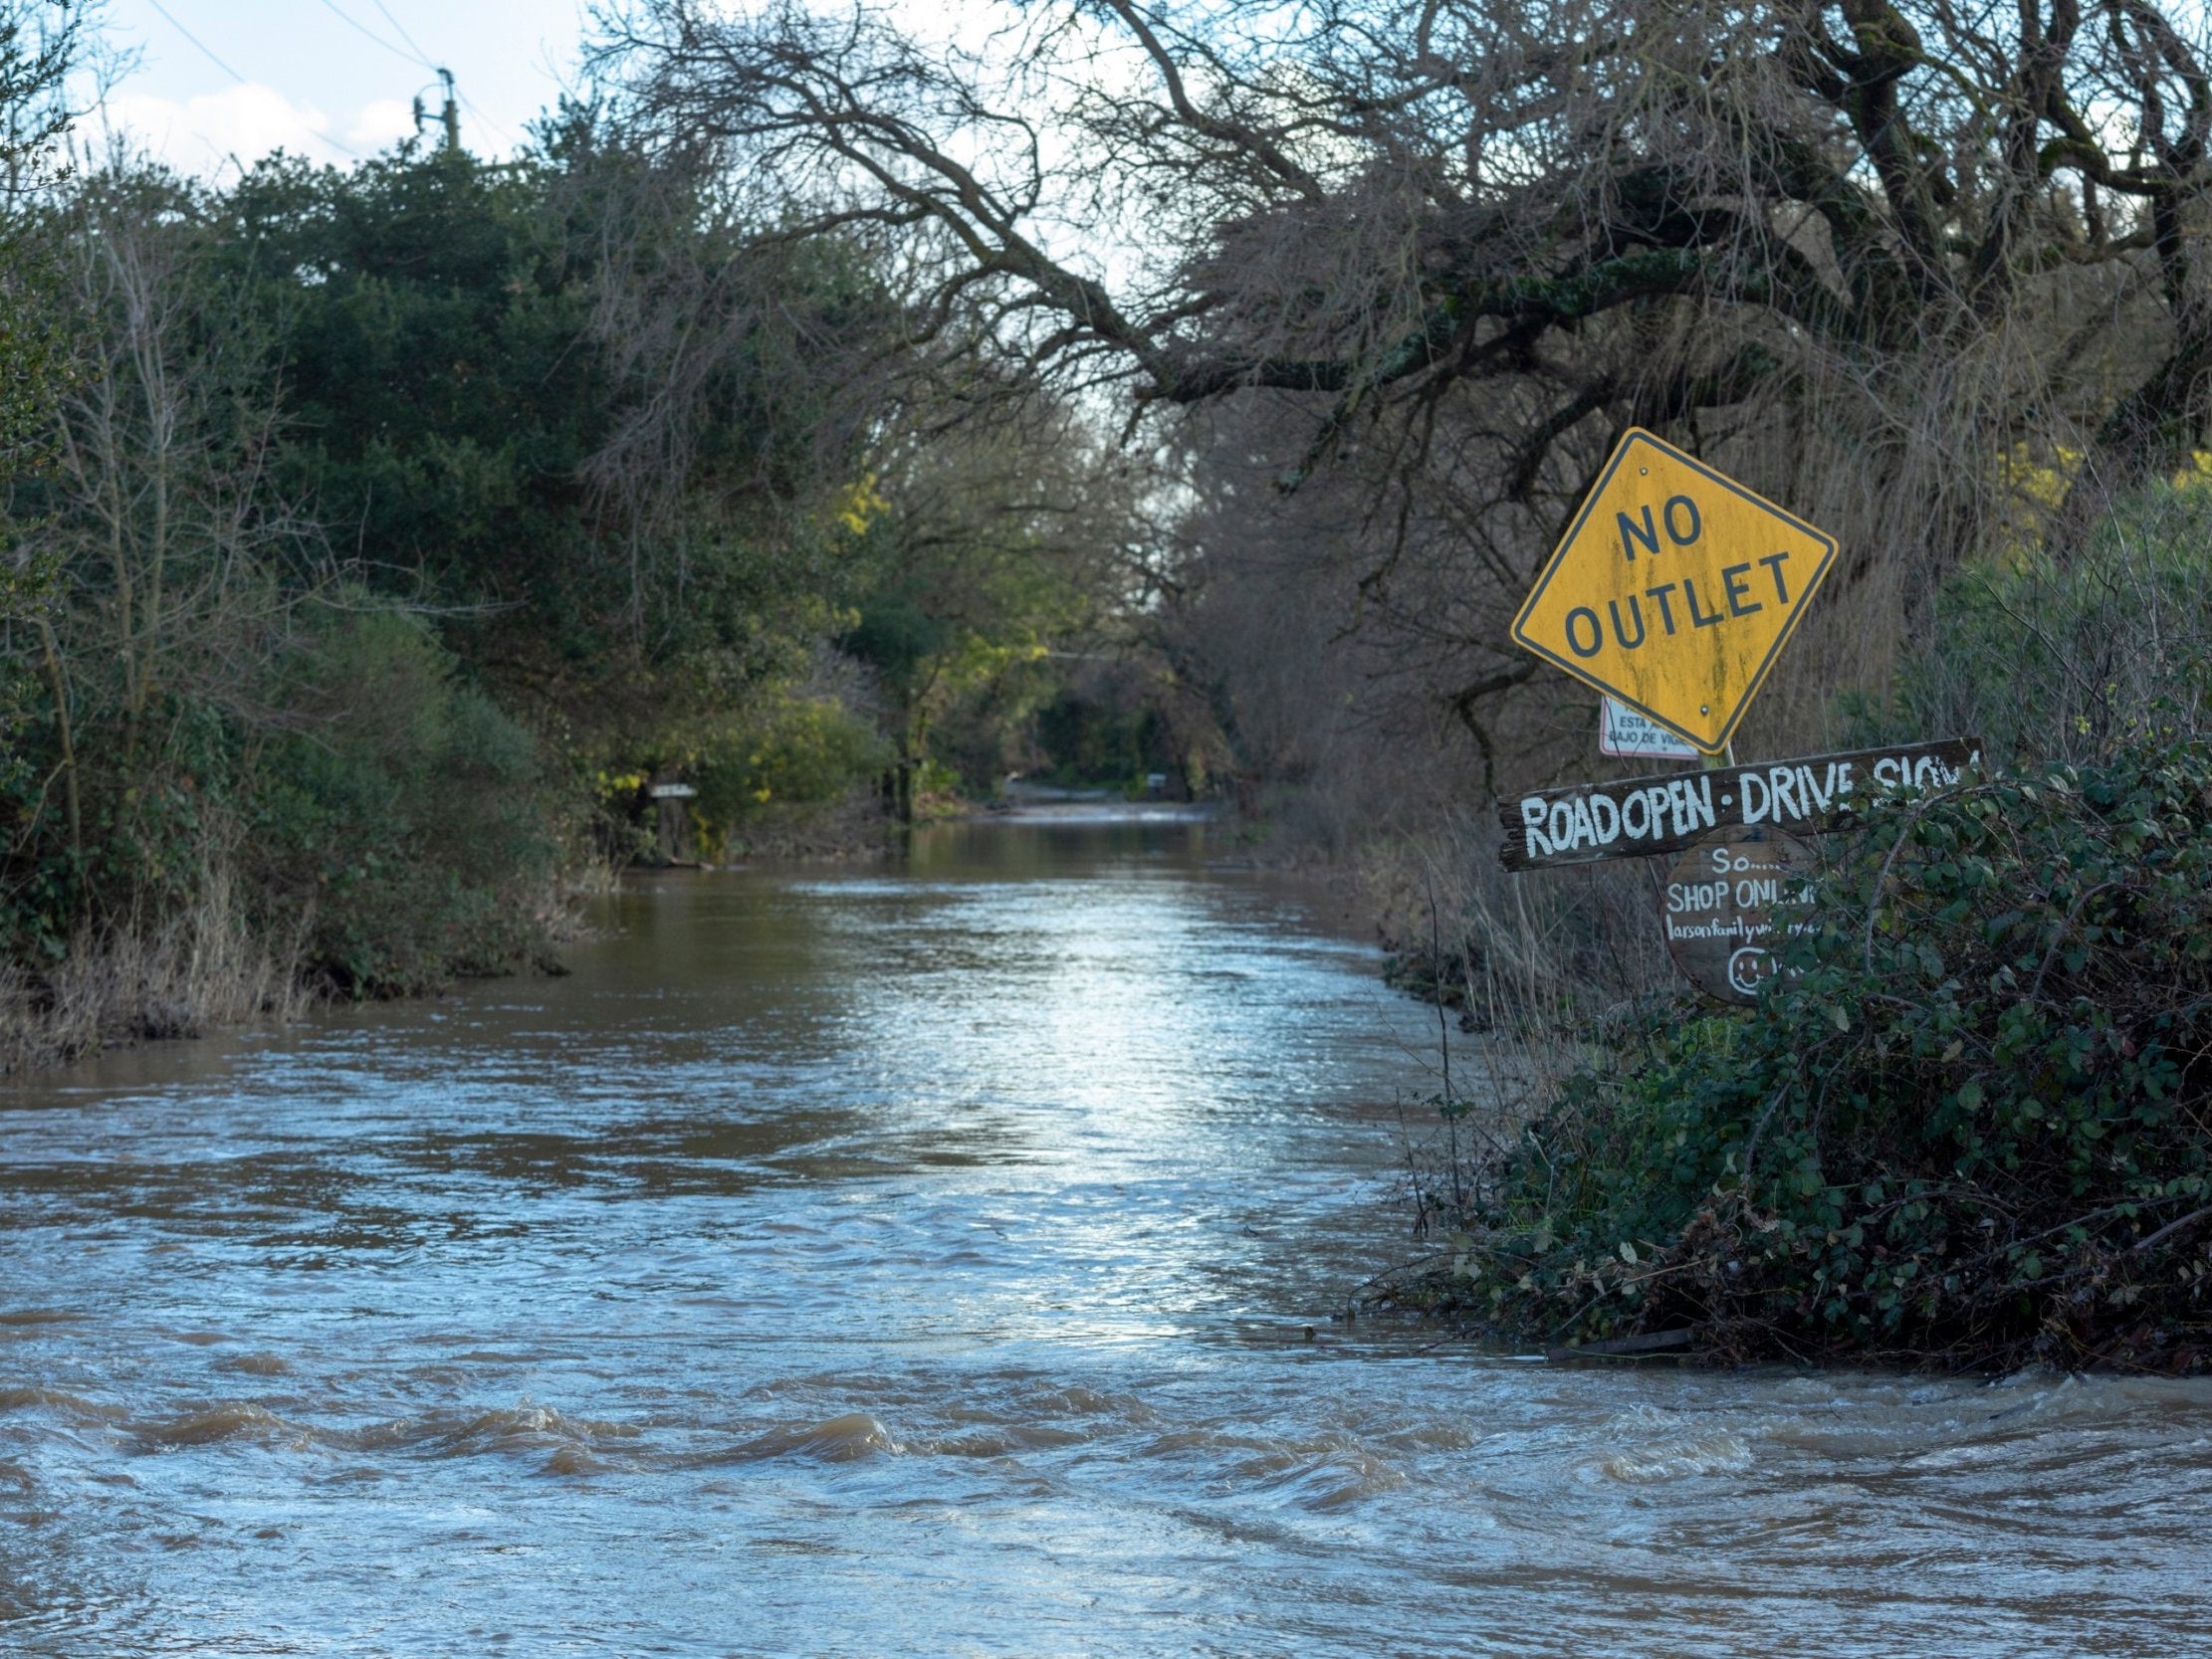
208, 969
217, 961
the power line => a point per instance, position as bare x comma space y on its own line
421, 56
206, 52
469, 104
363, 30
196, 41
417, 57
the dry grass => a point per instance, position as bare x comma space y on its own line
1548, 950
202, 969
1528, 973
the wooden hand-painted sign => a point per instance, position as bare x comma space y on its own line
1717, 903
1640, 816
1674, 589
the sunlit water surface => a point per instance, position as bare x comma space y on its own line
918, 1259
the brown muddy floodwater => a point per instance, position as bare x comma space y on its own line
914, 1260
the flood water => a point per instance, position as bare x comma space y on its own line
918, 1259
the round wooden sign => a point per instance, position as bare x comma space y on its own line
1717, 902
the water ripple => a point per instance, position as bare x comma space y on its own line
920, 1260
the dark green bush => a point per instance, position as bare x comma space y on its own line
406, 818
1974, 1129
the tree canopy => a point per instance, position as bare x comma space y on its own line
1897, 262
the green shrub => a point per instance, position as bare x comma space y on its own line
406, 816
2051, 659
1974, 1129
792, 751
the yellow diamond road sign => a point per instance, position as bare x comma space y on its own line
1674, 589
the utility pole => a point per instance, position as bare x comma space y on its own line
452, 115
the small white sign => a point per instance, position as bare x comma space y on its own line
670, 791
1625, 733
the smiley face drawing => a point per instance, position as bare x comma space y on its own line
1747, 966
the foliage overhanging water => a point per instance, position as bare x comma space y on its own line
919, 1260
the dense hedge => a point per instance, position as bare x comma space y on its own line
408, 825
1973, 1130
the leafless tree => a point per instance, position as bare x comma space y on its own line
171, 563
1885, 258
746, 365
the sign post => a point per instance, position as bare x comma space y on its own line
1672, 593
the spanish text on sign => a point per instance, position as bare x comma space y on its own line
1625, 735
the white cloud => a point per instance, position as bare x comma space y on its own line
215, 132
381, 124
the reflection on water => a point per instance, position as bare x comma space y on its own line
919, 1259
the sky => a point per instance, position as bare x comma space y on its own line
219, 82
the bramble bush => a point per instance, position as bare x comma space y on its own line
1970, 1128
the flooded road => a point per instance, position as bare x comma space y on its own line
917, 1258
